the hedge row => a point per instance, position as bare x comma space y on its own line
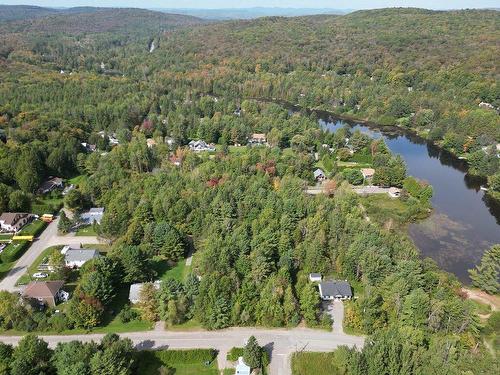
186, 356
34, 228
14, 250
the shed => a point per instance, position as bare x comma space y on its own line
135, 291
315, 277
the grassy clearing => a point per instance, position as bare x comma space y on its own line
86, 231
166, 270
47, 205
183, 362
77, 180
384, 210
310, 363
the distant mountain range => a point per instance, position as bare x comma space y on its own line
251, 13
22, 12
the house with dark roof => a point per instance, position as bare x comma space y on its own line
46, 292
51, 184
14, 221
335, 290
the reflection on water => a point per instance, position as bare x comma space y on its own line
464, 222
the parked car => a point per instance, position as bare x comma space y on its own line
40, 275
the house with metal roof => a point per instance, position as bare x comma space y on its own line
335, 290
94, 215
75, 258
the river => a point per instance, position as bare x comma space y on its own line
464, 222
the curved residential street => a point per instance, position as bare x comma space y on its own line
281, 343
49, 237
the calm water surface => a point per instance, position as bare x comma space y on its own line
464, 222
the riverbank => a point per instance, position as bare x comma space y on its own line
464, 221
422, 136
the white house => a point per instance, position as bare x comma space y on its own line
242, 368
315, 277
75, 257
200, 145
14, 221
335, 290
319, 175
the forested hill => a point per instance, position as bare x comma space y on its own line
20, 12
95, 20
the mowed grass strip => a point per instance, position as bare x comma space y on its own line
311, 363
183, 362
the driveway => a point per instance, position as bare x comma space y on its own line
49, 237
336, 311
281, 343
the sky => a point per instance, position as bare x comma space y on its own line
336, 4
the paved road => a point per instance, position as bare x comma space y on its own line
49, 237
281, 343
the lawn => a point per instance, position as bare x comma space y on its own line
86, 231
111, 322
167, 270
385, 210
33, 229
184, 362
6, 237
311, 363
5, 268
26, 278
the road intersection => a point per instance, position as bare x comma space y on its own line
48, 238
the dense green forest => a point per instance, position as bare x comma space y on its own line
141, 75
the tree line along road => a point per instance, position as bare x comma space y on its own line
280, 343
